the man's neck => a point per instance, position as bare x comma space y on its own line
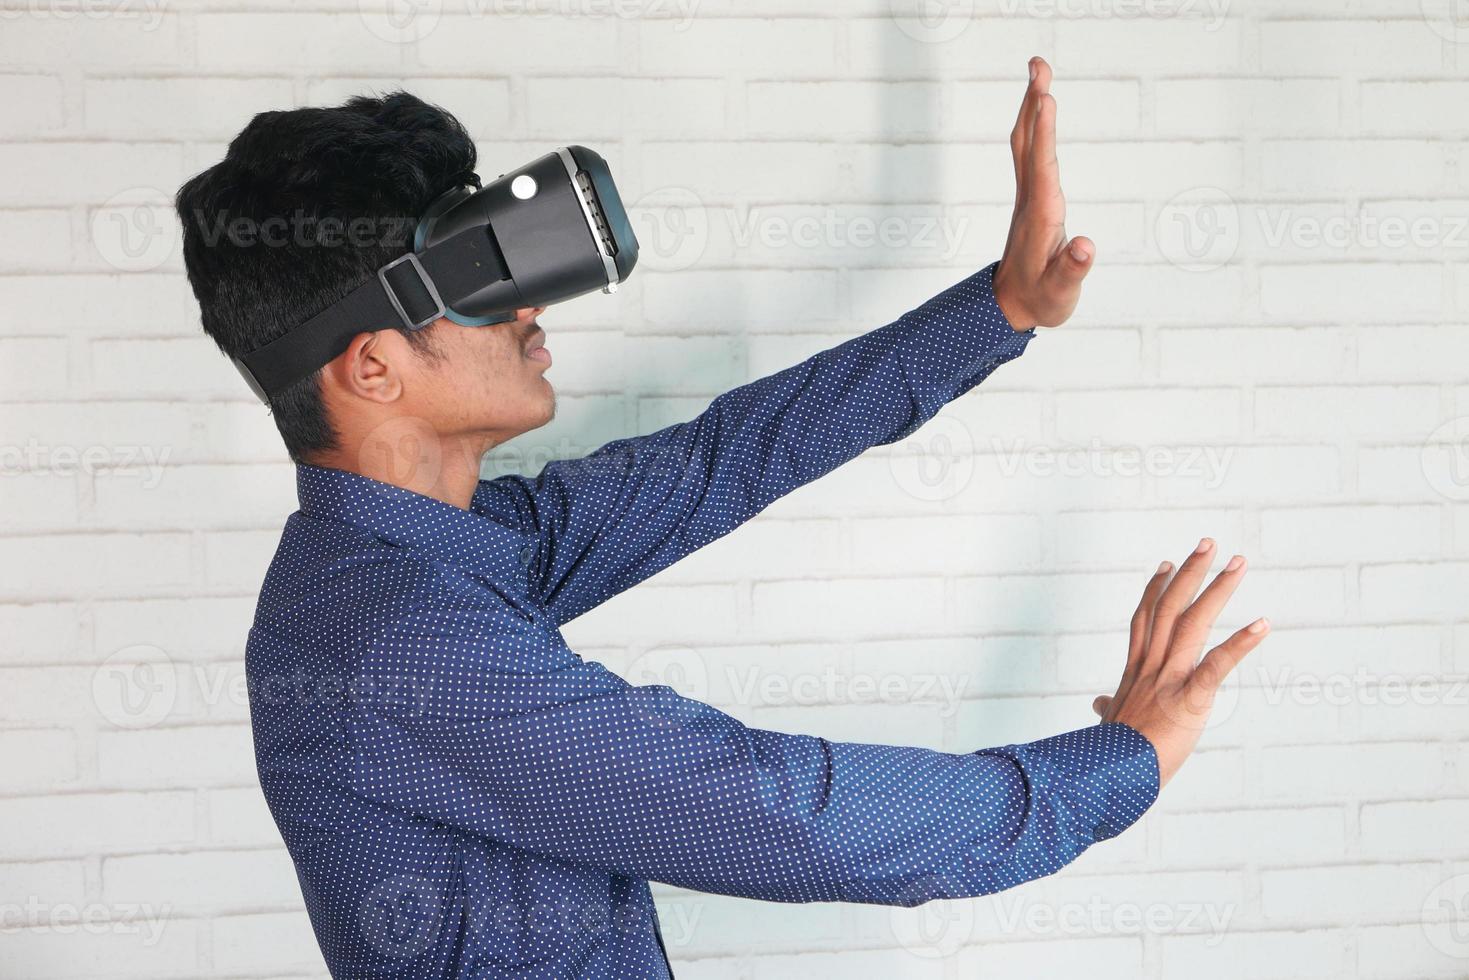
415, 458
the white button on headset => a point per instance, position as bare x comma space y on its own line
524, 187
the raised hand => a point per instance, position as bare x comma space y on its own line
1166, 691
1039, 277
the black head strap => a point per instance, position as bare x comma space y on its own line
408, 292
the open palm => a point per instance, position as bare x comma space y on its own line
1038, 281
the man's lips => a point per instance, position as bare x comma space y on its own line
535, 350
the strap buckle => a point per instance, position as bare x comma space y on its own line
428, 284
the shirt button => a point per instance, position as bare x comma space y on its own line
527, 555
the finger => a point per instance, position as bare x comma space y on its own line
1142, 619
1071, 264
1176, 597
1045, 173
1020, 135
1102, 704
1220, 661
1195, 622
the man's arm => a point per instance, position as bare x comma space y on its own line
641, 782
556, 756
611, 519
638, 505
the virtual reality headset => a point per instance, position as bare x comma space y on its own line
552, 230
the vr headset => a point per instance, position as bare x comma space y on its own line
552, 230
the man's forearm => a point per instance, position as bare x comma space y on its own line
638, 505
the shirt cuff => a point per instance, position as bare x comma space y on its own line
1103, 778
962, 335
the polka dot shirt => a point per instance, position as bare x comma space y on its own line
464, 796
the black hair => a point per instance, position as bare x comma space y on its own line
306, 205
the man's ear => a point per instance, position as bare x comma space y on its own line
371, 367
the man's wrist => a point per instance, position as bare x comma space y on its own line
1014, 313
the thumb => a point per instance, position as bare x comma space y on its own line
1075, 261
1101, 705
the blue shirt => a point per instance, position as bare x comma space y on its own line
464, 796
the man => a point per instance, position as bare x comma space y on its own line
463, 795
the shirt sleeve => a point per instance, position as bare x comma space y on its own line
642, 782
609, 520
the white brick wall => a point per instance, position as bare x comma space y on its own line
1272, 350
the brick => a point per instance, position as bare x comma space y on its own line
1345, 47
198, 496
1430, 950
32, 366
149, 942
1396, 353
946, 45
1357, 166
1323, 894
768, 300
114, 304
1313, 773
866, 110
1225, 107
1350, 533
68, 565
34, 106
1351, 292
963, 544
38, 759
846, 607
47, 826
1369, 410
239, 817
288, 40
651, 613
1204, 44
1149, 418
36, 238
1143, 538
1400, 589
691, 107
1412, 829
215, 880
722, 47
272, 941
62, 173
48, 632
1322, 354
134, 36
1297, 836
1320, 954
164, 757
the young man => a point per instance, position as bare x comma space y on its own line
462, 794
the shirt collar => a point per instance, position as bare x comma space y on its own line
409, 520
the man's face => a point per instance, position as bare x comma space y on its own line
488, 380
